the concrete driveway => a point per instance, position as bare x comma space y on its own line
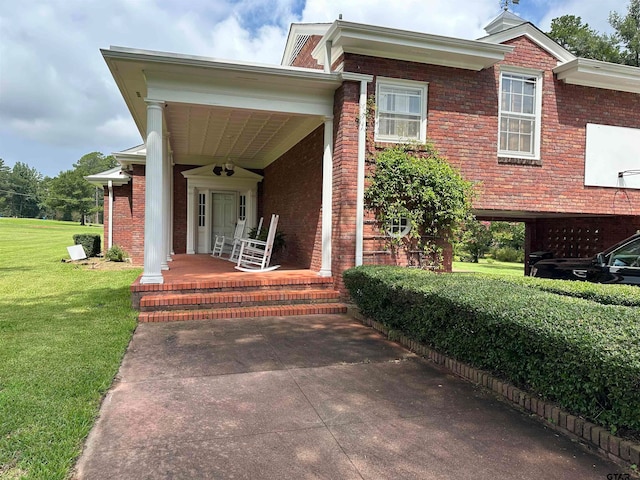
308, 397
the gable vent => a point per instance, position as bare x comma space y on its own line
300, 41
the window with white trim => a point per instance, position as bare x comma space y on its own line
399, 227
242, 207
401, 110
519, 114
202, 209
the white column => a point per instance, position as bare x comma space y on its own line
153, 215
110, 232
110, 220
327, 197
191, 203
362, 131
166, 205
172, 201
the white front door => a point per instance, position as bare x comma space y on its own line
224, 213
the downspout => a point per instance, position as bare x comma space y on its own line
328, 46
362, 148
110, 231
362, 139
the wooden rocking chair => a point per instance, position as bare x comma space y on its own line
221, 242
255, 254
235, 251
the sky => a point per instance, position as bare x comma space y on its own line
58, 100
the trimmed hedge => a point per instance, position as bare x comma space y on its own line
627, 295
582, 355
90, 242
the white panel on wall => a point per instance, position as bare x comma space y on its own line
612, 156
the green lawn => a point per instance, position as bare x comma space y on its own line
63, 331
490, 266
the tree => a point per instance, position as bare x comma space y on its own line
5, 188
473, 241
70, 196
94, 162
628, 33
569, 32
23, 198
414, 185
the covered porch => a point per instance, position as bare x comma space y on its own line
215, 135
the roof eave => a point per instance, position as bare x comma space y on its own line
530, 31
347, 37
594, 73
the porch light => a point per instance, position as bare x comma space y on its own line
228, 168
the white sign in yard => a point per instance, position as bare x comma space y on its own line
76, 252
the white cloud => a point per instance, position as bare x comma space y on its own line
57, 95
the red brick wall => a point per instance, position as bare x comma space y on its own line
345, 167
128, 215
292, 188
180, 208
304, 58
580, 236
463, 123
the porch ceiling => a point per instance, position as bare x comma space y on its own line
252, 139
217, 110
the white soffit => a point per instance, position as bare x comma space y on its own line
594, 73
374, 41
114, 175
249, 112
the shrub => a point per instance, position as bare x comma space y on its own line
582, 355
116, 254
414, 185
626, 295
90, 242
508, 254
279, 241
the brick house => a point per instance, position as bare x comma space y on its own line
550, 139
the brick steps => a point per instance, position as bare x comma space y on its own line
237, 295
242, 312
237, 298
139, 291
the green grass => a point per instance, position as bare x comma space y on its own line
490, 266
63, 331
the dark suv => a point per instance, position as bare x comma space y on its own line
617, 264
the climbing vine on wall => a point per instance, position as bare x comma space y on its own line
414, 184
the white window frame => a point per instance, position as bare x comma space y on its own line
536, 117
422, 87
396, 229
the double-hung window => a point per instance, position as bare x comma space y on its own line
401, 110
519, 116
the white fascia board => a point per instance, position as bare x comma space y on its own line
356, 77
410, 46
209, 63
533, 34
251, 94
297, 29
594, 73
